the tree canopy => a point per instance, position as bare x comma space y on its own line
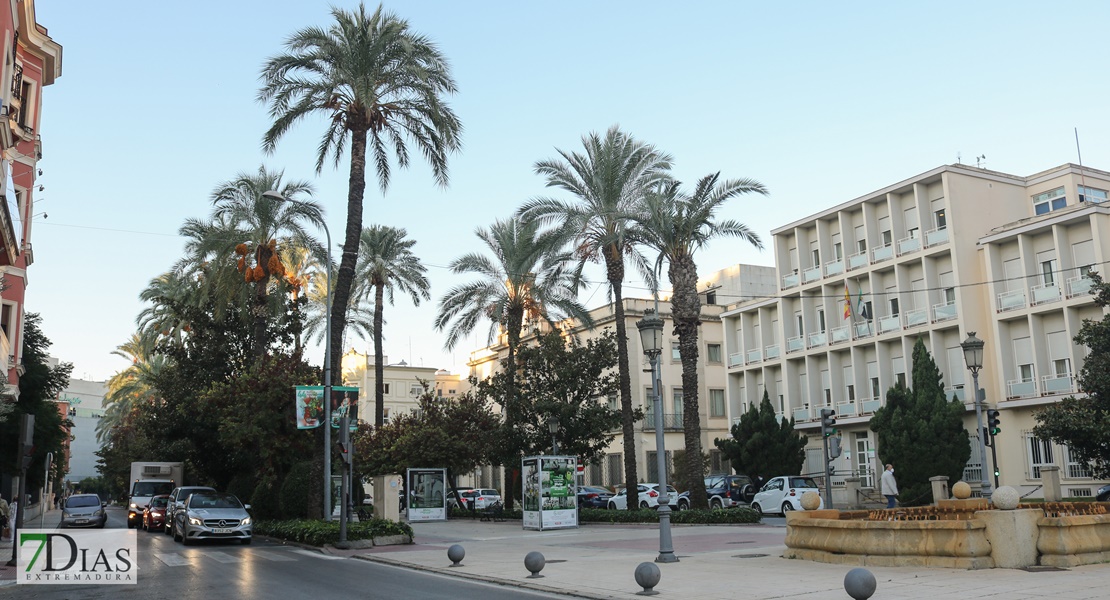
762, 446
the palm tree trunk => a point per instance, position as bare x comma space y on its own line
686, 312
514, 320
260, 318
345, 277
379, 357
614, 266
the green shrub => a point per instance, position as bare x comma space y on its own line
293, 499
318, 533
264, 500
242, 485
719, 516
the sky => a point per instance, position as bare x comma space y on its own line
821, 102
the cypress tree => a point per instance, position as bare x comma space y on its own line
761, 446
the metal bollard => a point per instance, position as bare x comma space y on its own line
534, 562
647, 577
456, 554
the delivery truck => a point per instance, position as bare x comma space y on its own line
150, 479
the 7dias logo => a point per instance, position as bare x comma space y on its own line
47, 557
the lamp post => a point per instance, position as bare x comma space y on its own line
553, 427
651, 336
973, 356
273, 195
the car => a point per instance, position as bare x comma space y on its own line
648, 497
178, 497
212, 516
481, 498
154, 515
1103, 494
784, 494
727, 491
84, 510
591, 496
683, 502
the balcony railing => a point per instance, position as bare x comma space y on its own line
882, 253
888, 324
840, 334
801, 414
858, 260
735, 359
957, 391
1058, 384
771, 351
790, 280
944, 312
935, 237
846, 408
1011, 300
907, 245
795, 344
811, 274
1049, 292
1077, 286
835, 267
817, 339
1021, 388
17, 82
916, 318
868, 406
671, 422
755, 356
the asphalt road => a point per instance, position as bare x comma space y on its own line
265, 569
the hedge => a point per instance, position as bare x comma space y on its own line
318, 533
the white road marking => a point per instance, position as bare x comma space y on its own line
274, 556
222, 557
316, 554
172, 560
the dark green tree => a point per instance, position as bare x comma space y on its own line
1083, 424
921, 432
761, 446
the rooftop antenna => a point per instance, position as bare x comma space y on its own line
1082, 176
959, 159
979, 160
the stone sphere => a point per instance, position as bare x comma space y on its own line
1005, 498
811, 501
961, 490
859, 583
456, 553
647, 575
534, 562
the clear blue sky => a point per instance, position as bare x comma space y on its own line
822, 102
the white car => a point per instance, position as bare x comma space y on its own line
784, 494
482, 498
648, 497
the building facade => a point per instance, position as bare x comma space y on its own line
951, 251
83, 403
404, 384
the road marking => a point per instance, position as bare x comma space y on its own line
316, 554
172, 560
223, 557
274, 556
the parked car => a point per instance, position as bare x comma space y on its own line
481, 497
84, 510
683, 502
648, 497
784, 494
1103, 494
591, 496
212, 516
727, 491
178, 497
154, 515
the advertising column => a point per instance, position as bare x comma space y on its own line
550, 493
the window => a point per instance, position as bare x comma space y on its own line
25, 105
675, 353
941, 219
385, 414
676, 402
1026, 372
949, 295
914, 232
713, 353
861, 246
828, 397
900, 378
851, 393
817, 258
385, 388
450, 392
1087, 194
820, 320
838, 252
415, 389
875, 392
886, 237
894, 307
1049, 201
1076, 469
716, 403
801, 330
1039, 454
612, 401
711, 298
1048, 270
1062, 366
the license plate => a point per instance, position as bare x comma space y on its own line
221, 531
82, 521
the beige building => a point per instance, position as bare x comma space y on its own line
953, 250
403, 384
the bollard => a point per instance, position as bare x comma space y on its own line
859, 583
534, 562
456, 554
647, 577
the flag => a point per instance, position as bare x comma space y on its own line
847, 302
861, 306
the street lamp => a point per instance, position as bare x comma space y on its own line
973, 356
273, 195
553, 427
651, 336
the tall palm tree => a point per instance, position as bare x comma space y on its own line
676, 225
386, 263
608, 181
131, 387
384, 85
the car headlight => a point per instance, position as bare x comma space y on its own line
194, 521
133, 505
246, 521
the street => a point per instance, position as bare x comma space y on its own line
262, 570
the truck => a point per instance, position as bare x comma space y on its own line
150, 479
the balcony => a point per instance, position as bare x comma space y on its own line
840, 334
888, 324
835, 267
811, 274
957, 391
916, 318
802, 414
1078, 286
817, 339
868, 406
1058, 384
1011, 300
944, 312
790, 280
1021, 388
882, 253
857, 261
864, 329
671, 422
755, 356
771, 351
735, 359
907, 245
846, 408
795, 344
1042, 294
936, 237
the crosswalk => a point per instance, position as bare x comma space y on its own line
189, 557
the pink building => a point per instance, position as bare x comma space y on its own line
30, 62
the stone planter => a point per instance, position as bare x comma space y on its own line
1073, 541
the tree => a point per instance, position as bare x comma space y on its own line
608, 181
386, 263
677, 225
133, 385
382, 84
921, 431
762, 446
1083, 423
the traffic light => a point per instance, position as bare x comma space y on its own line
834, 447
986, 438
997, 472
344, 452
992, 422
828, 421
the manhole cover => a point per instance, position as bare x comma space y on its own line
749, 556
1041, 569
557, 560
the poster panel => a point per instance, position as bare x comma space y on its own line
309, 406
344, 401
425, 496
530, 482
559, 492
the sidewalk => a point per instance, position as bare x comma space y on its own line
50, 519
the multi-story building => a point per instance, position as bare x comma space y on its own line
951, 251
403, 384
734, 283
32, 61
83, 403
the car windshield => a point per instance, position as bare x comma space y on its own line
151, 488
214, 501
802, 482
82, 501
159, 502
489, 493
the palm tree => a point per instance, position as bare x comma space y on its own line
609, 182
386, 263
132, 387
676, 226
382, 83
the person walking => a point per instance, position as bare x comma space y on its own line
889, 486
4, 511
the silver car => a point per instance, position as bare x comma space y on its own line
84, 510
212, 516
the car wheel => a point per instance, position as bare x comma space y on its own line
612, 505
245, 541
683, 505
787, 507
173, 532
643, 504
758, 509
716, 503
185, 540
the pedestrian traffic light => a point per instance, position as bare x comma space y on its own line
344, 452
986, 437
834, 447
828, 421
992, 422
997, 472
